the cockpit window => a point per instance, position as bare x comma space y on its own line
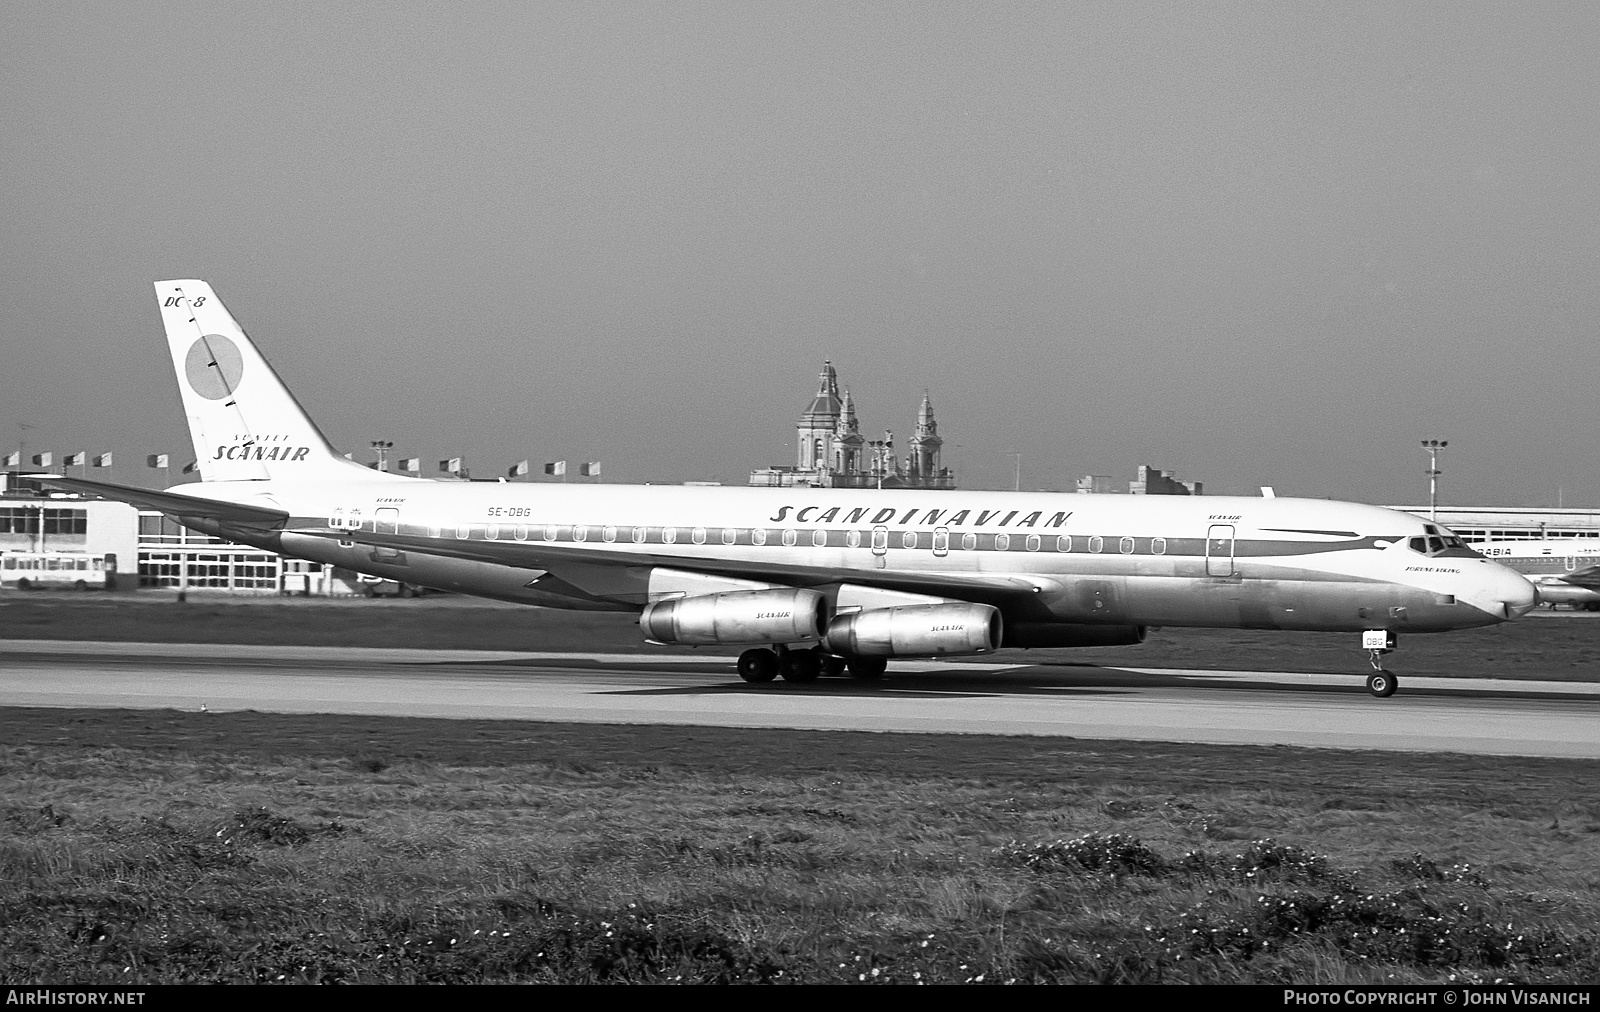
1439, 540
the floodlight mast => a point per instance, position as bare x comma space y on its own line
1433, 446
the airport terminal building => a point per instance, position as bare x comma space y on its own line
1513, 523
51, 539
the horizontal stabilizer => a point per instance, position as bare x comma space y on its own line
176, 504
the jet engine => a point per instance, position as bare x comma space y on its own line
916, 631
749, 616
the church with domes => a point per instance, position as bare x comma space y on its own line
831, 452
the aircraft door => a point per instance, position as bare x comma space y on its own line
386, 521
1219, 550
941, 542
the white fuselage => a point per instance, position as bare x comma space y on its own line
1272, 563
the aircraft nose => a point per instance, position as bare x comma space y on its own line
1517, 595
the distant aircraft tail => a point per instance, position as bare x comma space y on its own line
245, 423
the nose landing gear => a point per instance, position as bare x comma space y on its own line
1378, 642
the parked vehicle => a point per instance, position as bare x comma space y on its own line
77, 570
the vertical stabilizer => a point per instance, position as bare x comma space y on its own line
245, 423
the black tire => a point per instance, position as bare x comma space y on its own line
406, 591
833, 667
24, 584
1382, 684
758, 665
868, 668
80, 585
801, 666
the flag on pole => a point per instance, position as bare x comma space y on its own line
518, 469
412, 464
43, 459
190, 467
74, 459
156, 460
102, 460
557, 468
590, 470
451, 466
14, 458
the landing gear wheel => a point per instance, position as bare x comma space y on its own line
758, 665
868, 668
1382, 684
800, 666
833, 667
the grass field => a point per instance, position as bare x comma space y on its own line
252, 847
163, 847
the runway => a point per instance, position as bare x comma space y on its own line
1478, 716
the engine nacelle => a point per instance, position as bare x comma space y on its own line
750, 616
1566, 593
917, 631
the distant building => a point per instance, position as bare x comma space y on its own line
1513, 523
64, 534
59, 532
1151, 481
830, 451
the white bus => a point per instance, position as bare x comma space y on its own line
78, 570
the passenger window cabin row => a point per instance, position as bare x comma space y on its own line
790, 537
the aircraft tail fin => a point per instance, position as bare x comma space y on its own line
244, 422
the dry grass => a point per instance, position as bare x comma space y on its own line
169, 847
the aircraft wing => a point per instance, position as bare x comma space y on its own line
980, 588
176, 504
1586, 577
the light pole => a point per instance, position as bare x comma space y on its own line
1016, 484
1433, 446
383, 446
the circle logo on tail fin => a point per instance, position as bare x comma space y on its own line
213, 367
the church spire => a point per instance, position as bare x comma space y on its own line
926, 442
819, 424
925, 423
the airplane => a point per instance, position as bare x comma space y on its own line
809, 580
1565, 570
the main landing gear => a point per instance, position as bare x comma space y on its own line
801, 666
1378, 642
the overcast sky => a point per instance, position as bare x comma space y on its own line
1254, 244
